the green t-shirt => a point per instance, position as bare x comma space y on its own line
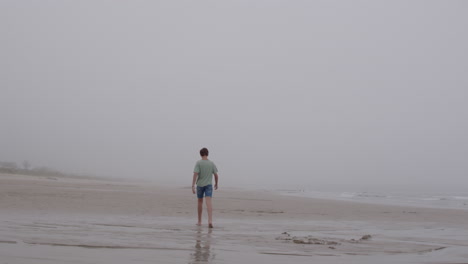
205, 170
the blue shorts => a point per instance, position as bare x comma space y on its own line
205, 190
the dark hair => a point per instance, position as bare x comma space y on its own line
204, 152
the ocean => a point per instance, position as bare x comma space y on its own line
440, 196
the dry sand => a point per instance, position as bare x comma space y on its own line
63, 220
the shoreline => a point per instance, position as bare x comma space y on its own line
66, 218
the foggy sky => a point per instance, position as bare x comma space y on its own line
278, 91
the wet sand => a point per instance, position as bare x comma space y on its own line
62, 220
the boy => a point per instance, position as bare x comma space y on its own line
203, 177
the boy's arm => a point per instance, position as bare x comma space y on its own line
216, 181
195, 176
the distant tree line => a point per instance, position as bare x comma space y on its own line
27, 169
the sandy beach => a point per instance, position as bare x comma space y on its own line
71, 220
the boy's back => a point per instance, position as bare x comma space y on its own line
205, 169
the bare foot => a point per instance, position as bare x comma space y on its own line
210, 225
198, 224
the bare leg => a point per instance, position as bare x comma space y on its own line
200, 210
209, 208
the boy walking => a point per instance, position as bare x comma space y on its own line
203, 177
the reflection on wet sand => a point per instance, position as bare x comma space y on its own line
202, 252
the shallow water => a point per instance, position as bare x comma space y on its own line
123, 239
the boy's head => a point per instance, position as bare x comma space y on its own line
204, 152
